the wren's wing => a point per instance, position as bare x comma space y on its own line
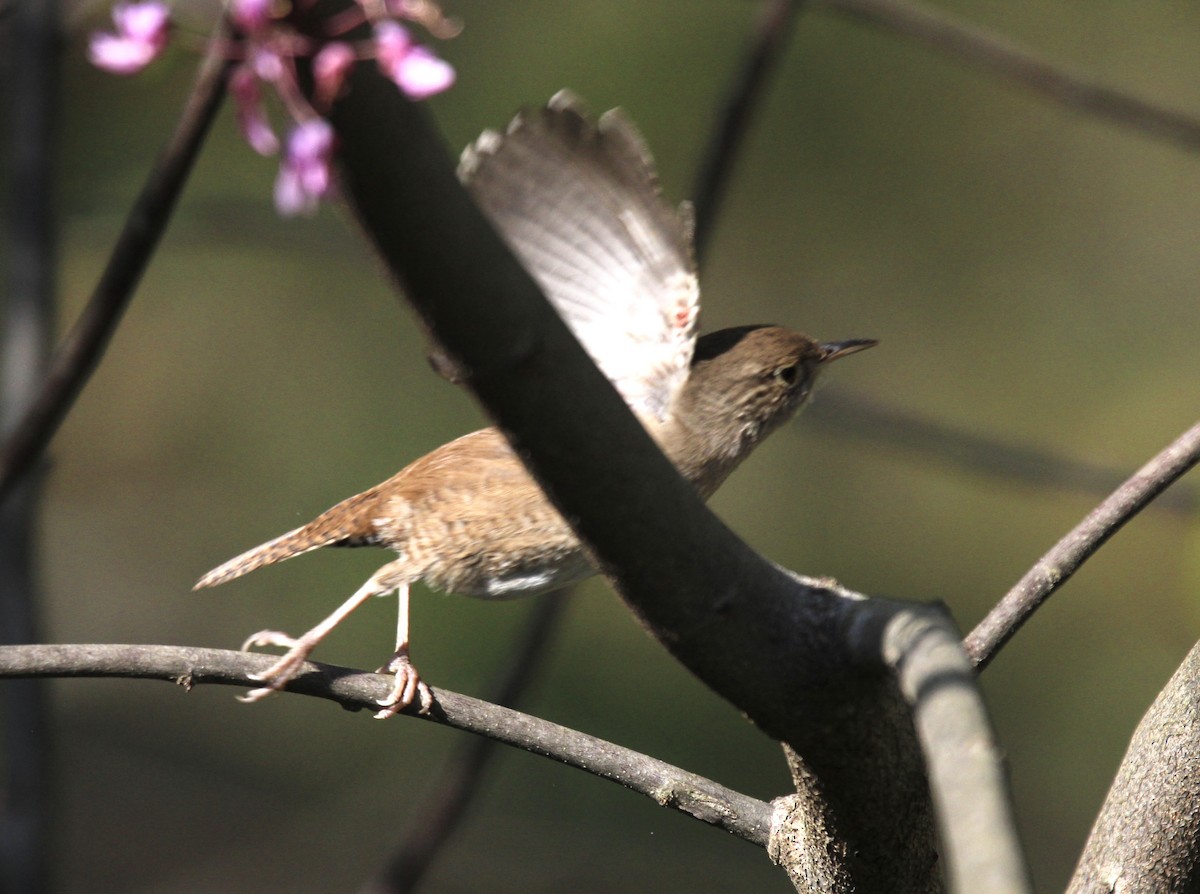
578, 202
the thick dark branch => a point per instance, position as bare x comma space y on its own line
979, 47
31, 50
1147, 836
669, 786
1054, 568
772, 24
773, 646
80, 353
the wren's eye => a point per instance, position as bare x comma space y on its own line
788, 374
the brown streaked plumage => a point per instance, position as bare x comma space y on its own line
578, 203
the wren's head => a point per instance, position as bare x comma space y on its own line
744, 383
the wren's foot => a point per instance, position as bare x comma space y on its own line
407, 686
282, 671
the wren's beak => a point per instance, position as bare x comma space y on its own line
835, 349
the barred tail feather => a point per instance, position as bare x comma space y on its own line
293, 543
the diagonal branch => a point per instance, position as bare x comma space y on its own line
951, 446
80, 353
1005, 58
771, 645
772, 24
1053, 569
669, 786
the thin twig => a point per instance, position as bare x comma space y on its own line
771, 25
891, 428
1050, 80
669, 786
459, 782
80, 354
1056, 567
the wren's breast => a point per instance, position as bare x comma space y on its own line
486, 529
480, 573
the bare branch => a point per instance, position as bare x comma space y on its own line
772, 23
966, 773
669, 786
80, 354
979, 47
1054, 568
1147, 835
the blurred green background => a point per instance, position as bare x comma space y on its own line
1031, 275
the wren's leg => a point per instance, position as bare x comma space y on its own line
384, 580
408, 684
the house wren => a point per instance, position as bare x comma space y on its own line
578, 203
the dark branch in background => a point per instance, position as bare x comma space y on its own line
80, 353
668, 786
459, 782
772, 24
1147, 836
1056, 566
892, 429
981, 48
439, 815
33, 47
837, 410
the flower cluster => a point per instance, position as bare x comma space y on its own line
266, 50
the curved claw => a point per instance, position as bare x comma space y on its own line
268, 638
406, 687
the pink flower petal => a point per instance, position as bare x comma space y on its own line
141, 34
251, 16
306, 175
414, 69
422, 74
330, 67
251, 116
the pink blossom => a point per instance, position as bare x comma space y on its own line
251, 116
330, 67
415, 69
251, 16
141, 34
306, 175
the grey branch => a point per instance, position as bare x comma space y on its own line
1004, 58
669, 786
1147, 836
966, 773
1053, 569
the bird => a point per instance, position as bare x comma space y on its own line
577, 200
